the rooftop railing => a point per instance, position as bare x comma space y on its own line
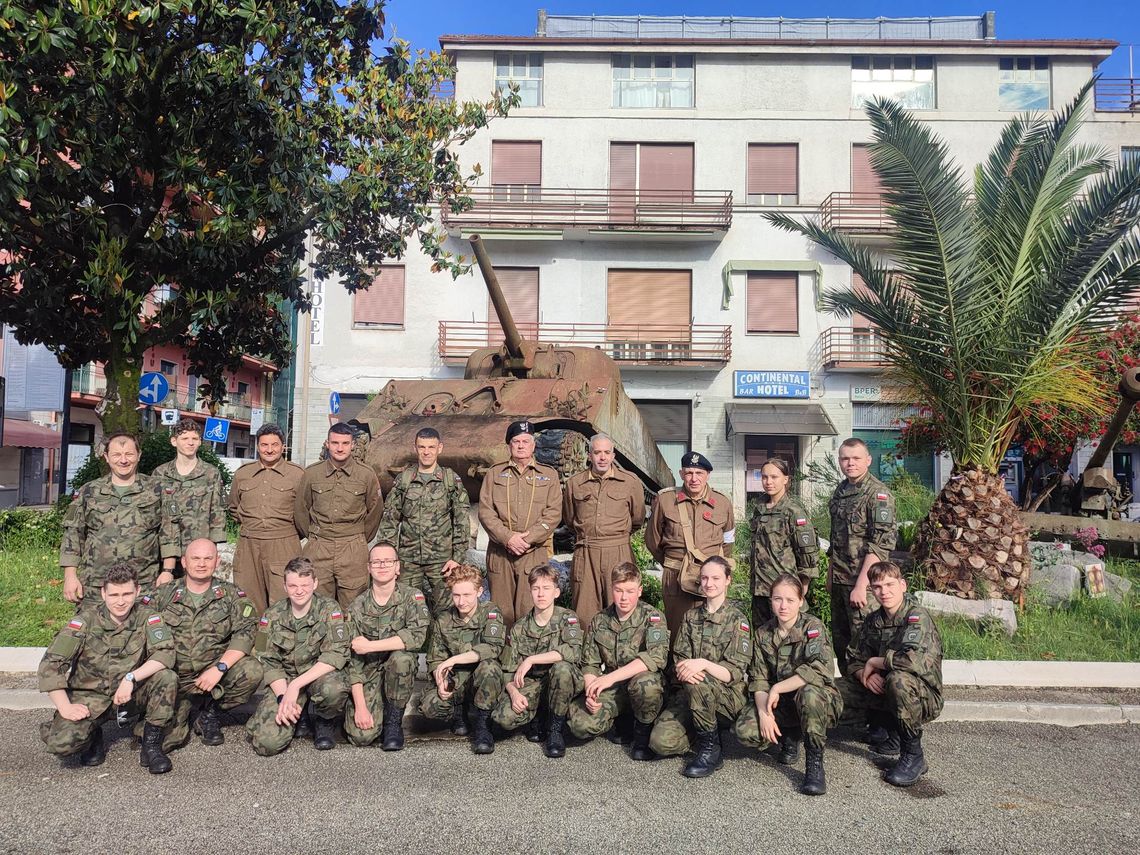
1117, 95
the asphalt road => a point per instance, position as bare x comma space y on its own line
992, 788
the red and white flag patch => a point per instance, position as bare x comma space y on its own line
336, 616
914, 619
264, 622
882, 497
75, 623
418, 595
744, 626
492, 615
154, 619
571, 619
812, 633
655, 618
801, 521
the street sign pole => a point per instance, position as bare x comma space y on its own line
64, 432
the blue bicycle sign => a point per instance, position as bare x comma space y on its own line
217, 430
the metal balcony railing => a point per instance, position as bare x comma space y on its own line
237, 407
89, 380
1117, 95
637, 344
527, 206
855, 212
851, 349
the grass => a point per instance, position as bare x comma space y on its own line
32, 607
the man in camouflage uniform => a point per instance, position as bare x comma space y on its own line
520, 504
894, 669
540, 665
604, 506
710, 656
306, 646
463, 658
263, 496
426, 518
117, 519
192, 489
388, 622
863, 532
630, 640
338, 509
213, 624
106, 656
707, 516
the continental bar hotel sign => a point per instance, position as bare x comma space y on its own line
771, 384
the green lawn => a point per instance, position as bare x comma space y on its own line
32, 608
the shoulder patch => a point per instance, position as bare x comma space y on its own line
240, 592
147, 599
813, 633
655, 618
492, 615
914, 619
336, 616
218, 592
801, 521
75, 623
154, 620
744, 626
571, 619
264, 622
882, 497
418, 596
247, 611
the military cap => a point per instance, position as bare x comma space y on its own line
695, 460
519, 427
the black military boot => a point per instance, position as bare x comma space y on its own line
622, 731
303, 729
555, 740
533, 730
641, 749
890, 744
482, 742
706, 758
96, 751
912, 763
393, 734
458, 720
324, 733
876, 730
789, 748
208, 725
152, 756
814, 782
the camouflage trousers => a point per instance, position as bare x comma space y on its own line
480, 685
910, 700
846, 620
429, 579
810, 711
326, 697
391, 681
154, 696
557, 687
694, 706
643, 693
235, 688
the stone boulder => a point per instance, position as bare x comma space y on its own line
1001, 612
1059, 583
226, 565
1116, 587
477, 558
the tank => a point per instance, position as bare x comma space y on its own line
570, 393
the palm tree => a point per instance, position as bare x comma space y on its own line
984, 296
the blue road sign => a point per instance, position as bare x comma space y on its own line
217, 430
334, 403
153, 388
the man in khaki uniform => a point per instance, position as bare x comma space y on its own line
338, 508
708, 516
262, 498
604, 506
520, 504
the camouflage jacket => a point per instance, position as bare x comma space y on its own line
562, 632
293, 645
193, 502
405, 614
94, 653
103, 528
483, 632
223, 619
425, 517
862, 522
723, 637
804, 652
908, 640
783, 541
613, 643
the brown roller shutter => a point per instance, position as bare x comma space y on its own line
864, 179
649, 305
665, 172
859, 287
516, 163
773, 305
668, 421
383, 301
623, 181
520, 287
773, 169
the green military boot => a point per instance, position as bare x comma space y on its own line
815, 784
393, 733
152, 756
96, 751
208, 725
458, 720
789, 748
324, 733
912, 763
555, 740
707, 758
482, 742
641, 749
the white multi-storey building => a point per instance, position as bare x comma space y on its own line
623, 206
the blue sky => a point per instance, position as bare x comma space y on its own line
421, 22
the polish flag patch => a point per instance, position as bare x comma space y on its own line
75, 623
241, 593
812, 633
571, 619
419, 595
744, 626
336, 616
801, 522
914, 619
882, 497
154, 619
655, 618
264, 622
492, 615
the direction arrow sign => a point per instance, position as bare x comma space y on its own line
153, 388
217, 430
334, 403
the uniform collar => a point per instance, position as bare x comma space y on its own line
331, 468
276, 467
531, 464
608, 475
107, 487
705, 498
435, 474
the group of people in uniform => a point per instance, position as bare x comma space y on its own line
332, 627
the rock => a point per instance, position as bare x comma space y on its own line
980, 611
1059, 583
562, 565
1117, 587
226, 565
477, 558
1082, 559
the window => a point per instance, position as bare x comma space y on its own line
653, 80
524, 69
864, 178
242, 389
906, 79
164, 294
1023, 83
648, 314
516, 170
773, 174
668, 423
773, 304
648, 174
520, 287
170, 369
1129, 154
382, 303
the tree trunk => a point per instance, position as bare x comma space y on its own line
973, 544
122, 400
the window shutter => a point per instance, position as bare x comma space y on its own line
864, 179
520, 287
665, 172
516, 163
859, 321
649, 305
383, 301
623, 181
773, 305
773, 169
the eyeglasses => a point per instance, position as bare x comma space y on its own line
385, 562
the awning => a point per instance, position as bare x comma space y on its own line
21, 434
779, 419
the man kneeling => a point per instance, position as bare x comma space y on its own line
306, 647
97, 661
630, 640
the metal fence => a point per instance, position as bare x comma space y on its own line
652, 27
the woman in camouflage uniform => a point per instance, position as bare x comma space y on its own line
783, 539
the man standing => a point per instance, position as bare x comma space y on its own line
117, 519
425, 518
863, 532
263, 496
213, 624
687, 527
192, 489
338, 509
604, 506
519, 506
104, 657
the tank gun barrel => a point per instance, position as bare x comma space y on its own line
506, 319
1129, 395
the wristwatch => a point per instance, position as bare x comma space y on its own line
130, 678
222, 666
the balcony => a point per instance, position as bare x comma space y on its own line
578, 214
692, 346
237, 408
89, 380
842, 349
1118, 95
856, 213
